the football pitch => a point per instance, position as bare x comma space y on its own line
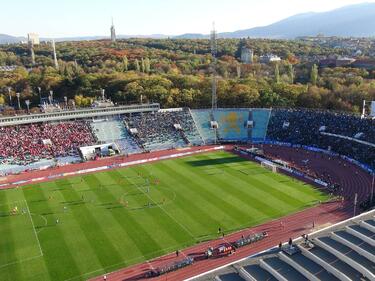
80, 227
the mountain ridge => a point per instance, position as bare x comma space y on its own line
349, 21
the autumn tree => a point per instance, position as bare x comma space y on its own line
314, 74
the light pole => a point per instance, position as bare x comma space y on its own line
372, 188
10, 96
40, 95
103, 94
18, 99
51, 97
27, 102
355, 204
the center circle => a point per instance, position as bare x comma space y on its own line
140, 197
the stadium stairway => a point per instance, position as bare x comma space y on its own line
202, 119
189, 130
260, 118
115, 131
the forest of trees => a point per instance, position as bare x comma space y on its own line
178, 73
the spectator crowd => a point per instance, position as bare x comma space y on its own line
157, 130
341, 133
25, 144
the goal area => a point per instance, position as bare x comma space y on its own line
269, 165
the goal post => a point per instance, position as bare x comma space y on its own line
269, 165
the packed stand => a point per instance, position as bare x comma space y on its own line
156, 131
308, 127
23, 145
188, 125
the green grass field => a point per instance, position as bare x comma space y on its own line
113, 219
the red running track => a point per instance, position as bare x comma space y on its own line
292, 226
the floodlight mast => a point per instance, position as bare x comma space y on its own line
213, 42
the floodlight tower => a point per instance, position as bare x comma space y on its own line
31, 49
54, 55
32, 54
213, 41
113, 33
213, 67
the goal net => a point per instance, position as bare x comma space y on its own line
269, 165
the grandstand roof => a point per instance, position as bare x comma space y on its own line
76, 114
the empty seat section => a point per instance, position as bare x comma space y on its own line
336, 263
260, 119
115, 131
230, 277
258, 273
312, 267
284, 269
202, 119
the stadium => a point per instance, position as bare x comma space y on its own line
138, 192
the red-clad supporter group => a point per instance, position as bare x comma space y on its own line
21, 145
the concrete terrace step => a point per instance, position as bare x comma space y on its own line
314, 270
358, 245
280, 268
258, 273
347, 255
337, 267
362, 233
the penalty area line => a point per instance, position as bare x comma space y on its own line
32, 222
21, 261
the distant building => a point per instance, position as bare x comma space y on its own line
247, 55
336, 62
33, 39
113, 32
269, 58
368, 64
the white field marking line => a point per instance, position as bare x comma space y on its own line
32, 222
10, 203
122, 197
44, 218
21, 261
169, 215
127, 261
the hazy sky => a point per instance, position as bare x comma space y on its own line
57, 18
